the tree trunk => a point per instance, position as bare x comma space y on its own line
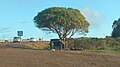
64, 41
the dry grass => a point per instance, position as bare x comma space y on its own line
36, 45
27, 45
15, 57
11, 55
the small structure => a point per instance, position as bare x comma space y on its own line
56, 44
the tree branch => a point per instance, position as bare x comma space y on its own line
73, 32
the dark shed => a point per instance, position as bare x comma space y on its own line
56, 44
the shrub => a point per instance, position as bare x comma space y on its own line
117, 48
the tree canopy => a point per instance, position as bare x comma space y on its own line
116, 28
63, 21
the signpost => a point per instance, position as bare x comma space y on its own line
20, 33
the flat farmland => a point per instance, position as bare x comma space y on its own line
17, 57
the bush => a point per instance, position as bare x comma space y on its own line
100, 48
94, 43
87, 43
116, 48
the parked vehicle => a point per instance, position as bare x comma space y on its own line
33, 39
16, 39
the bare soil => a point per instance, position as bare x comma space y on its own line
17, 57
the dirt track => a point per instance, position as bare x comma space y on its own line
15, 57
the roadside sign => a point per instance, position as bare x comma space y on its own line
20, 33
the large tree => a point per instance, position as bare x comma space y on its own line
63, 21
116, 28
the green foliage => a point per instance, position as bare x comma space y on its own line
116, 48
100, 48
116, 28
96, 43
63, 21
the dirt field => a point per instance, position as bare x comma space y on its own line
16, 57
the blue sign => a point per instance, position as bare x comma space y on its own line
20, 33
